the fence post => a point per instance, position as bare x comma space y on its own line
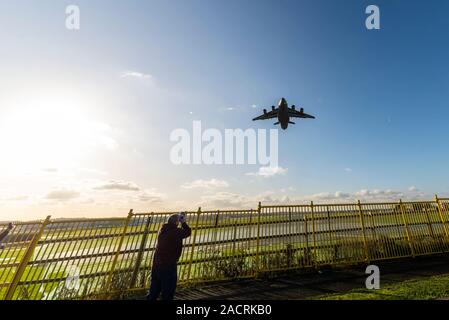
290, 222
407, 231
140, 254
443, 221
26, 258
195, 232
429, 223
117, 253
331, 238
307, 253
234, 238
216, 226
362, 222
259, 209
315, 260
250, 229
373, 226
329, 227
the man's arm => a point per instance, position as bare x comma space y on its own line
185, 230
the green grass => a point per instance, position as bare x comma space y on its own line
417, 289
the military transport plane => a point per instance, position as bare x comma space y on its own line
283, 113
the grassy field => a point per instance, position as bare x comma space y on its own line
436, 287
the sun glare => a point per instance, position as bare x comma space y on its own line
46, 130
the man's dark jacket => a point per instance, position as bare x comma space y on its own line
169, 244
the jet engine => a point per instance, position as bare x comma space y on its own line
264, 111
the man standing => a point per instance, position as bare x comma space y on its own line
164, 273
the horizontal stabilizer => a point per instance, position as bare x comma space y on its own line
276, 123
291, 122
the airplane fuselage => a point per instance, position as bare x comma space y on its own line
283, 116
283, 113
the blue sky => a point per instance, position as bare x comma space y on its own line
380, 98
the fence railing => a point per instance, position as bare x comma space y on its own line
82, 258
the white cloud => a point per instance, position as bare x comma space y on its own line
62, 195
118, 185
330, 196
230, 200
205, 184
348, 169
367, 195
267, 172
17, 198
224, 200
108, 142
269, 198
150, 196
137, 75
413, 189
378, 194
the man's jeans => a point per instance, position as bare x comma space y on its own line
163, 280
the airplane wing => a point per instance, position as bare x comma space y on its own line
269, 115
299, 114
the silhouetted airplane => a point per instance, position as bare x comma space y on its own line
284, 113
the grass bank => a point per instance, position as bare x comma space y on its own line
435, 287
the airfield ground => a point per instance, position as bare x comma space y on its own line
419, 278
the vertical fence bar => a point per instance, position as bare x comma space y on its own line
307, 252
329, 226
216, 226
140, 254
443, 220
429, 222
290, 223
362, 223
234, 237
315, 260
195, 232
259, 210
290, 250
118, 249
373, 226
250, 229
407, 231
26, 258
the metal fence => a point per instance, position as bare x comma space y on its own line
85, 258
